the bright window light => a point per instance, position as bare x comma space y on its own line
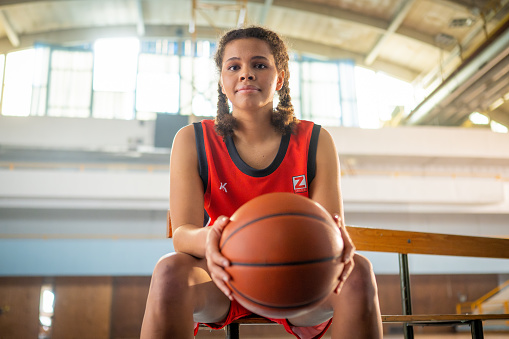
115, 64
499, 128
19, 73
48, 299
45, 321
479, 119
379, 95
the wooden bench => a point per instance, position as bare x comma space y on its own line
404, 243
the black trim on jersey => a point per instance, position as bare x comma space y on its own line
203, 166
313, 146
258, 173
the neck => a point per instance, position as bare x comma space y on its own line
254, 128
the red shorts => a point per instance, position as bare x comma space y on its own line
237, 311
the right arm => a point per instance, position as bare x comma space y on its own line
186, 209
186, 196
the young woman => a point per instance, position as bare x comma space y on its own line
217, 165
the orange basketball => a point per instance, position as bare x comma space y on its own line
285, 254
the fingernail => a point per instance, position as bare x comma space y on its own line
224, 219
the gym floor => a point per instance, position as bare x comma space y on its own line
277, 332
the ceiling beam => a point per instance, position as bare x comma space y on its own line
334, 12
311, 8
9, 30
319, 50
501, 115
355, 18
489, 54
76, 36
393, 26
71, 37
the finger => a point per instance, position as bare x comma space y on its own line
213, 238
348, 246
221, 279
347, 269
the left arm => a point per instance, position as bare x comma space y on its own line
326, 190
325, 187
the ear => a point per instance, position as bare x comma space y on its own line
280, 80
222, 87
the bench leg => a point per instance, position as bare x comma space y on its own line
232, 331
476, 329
408, 331
406, 297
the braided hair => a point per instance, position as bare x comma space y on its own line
283, 117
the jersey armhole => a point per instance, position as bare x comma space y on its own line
313, 146
203, 167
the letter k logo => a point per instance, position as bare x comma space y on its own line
222, 187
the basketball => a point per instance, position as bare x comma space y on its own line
285, 254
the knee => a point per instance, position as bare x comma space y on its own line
170, 273
361, 281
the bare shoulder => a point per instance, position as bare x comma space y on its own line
326, 145
183, 151
184, 136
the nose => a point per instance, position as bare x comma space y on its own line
247, 76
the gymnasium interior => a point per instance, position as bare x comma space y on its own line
415, 94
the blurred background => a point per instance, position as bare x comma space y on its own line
414, 92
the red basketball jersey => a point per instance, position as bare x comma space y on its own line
229, 182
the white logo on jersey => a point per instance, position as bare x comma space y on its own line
300, 184
223, 187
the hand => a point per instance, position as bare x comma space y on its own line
348, 252
215, 261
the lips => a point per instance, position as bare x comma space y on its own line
248, 89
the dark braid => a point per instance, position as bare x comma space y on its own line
225, 122
283, 118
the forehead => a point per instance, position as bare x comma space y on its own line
247, 48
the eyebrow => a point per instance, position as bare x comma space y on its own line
253, 58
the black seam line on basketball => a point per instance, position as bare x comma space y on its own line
275, 306
293, 263
270, 216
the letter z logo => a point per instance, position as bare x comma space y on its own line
300, 184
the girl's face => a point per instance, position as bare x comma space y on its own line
249, 76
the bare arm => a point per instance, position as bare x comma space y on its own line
186, 209
186, 196
326, 190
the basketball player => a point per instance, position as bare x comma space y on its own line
219, 165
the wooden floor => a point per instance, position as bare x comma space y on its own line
278, 332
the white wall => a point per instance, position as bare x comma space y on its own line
110, 219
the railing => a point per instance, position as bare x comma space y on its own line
477, 305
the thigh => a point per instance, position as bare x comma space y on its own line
209, 303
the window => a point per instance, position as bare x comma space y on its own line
19, 73
70, 83
381, 97
320, 92
199, 80
115, 67
124, 78
158, 85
